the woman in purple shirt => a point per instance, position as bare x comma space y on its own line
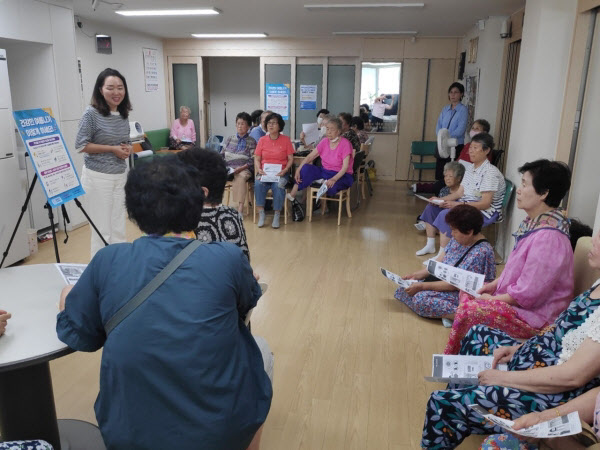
537, 282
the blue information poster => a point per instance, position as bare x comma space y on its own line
49, 156
277, 99
308, 96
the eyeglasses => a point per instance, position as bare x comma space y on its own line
273, 122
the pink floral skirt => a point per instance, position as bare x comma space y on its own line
493, 313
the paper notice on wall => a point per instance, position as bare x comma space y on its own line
277, 99
150, 69
470, 282
308, 96
557, 427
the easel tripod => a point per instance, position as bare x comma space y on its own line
51, 217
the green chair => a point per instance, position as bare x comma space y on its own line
158, 138
508, 193
418, 151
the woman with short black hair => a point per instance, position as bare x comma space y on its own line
218, 222
358, 125
538, 280
466, 250
238, 152
274, 148
181, 367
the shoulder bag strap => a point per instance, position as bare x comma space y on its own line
469, 249
152, 286
451, 117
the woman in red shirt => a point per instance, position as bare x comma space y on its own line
479, 126
273, 149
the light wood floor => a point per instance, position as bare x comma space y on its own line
349, 359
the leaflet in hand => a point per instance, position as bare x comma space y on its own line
470, 282
460, 369
230, 170
322, 191
71, 272
560, 426
271, 171
397, 278
435, 201
311, 133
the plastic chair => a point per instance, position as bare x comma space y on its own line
419, 150
249, 193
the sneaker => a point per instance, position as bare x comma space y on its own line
261, 219
420, 226
297, 211
275, 223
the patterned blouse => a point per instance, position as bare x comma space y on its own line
223, 224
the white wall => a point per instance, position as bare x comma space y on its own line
586, 183
149, 108
539, 94
488, 65
237, 82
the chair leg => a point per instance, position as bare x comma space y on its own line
323, 205
285, 209
309, 204
362, 184
340, 207
348, 210
254, 209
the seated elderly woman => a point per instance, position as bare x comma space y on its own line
586, 405
238, 152
479, 126
537, 281
336, 159
565, 360
358, 125
275, 149
183, 132
454, 173
348, 132
483, 187
468, 249
181, 367
218, 222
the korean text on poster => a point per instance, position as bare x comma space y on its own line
49, 155
308, 96
151, 69
277, 99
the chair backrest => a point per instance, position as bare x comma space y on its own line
358, 159
497, 156
510, 189
423, 148
584, 274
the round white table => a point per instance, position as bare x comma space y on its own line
27, 411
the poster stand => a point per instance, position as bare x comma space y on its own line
51, 217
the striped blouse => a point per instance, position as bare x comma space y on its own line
486, 178
102, 130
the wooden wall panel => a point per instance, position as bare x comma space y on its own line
412, 111
441, 76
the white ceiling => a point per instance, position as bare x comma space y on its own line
288, 18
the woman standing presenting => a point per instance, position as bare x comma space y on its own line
454, 118
103, 136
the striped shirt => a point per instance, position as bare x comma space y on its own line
238, 146
486, 178
94, 128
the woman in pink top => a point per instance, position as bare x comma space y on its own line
537, 282
183, 132
336, 159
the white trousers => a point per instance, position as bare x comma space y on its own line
104, 202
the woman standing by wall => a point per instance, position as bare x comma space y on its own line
103, 136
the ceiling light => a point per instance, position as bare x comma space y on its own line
170, 12
102, 35
229, 35
364, 5
341, 33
